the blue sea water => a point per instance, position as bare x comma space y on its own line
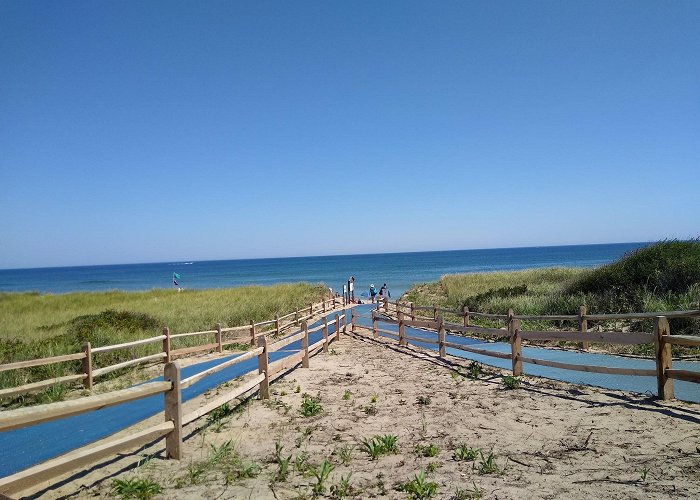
398, 270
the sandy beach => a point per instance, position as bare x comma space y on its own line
546, 439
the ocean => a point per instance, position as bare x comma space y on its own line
398, 270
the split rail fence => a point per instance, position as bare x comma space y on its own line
171, 387
407, 314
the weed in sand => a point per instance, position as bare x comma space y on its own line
301, 462
347, 395
54, 393
298, 389
379, 445
510, 382
141, 489
428, 450
643, 474
423, 400
468, 494
343, 488
374, 398
419, 487
310, 406
465, 453
487, 465
345, 454
432, 467
370, 410
474, 370
321, 474
220, 454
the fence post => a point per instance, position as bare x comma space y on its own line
352, 320
337, 327
311, 309
173, 411
325, 334
253, 343
402, 330
375, 333
219, 347
465, 314
435, 313
166, 344
305, 345
663, 357
583, 325
277, 324
441, 336
263, 367
515, 344
324, 305
87, 365
345, 320
413, 312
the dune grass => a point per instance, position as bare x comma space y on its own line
662, 277
40, 325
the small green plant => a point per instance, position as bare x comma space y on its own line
301, 462
248, 469
195, 474
370, 410
510, 382
423, 400
373, 399
468, 494
343, 488
56, 392
429, 450
643, 474
474, 370
345, 454
347, 395
282, 472
465, 453
419, 487
310, 406
379, 445
487, 465
141, 489
222, 453
432, 467
298, 389
373, 447
321, 474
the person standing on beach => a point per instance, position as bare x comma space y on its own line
351, 288
384, 292
372, 292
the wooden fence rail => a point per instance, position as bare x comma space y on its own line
661, 338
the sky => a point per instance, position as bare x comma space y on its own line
153, 131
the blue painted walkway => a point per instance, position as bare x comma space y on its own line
22, 448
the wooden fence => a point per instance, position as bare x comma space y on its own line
661, 338
171, 388
214, 340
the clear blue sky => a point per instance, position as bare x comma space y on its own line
138, 131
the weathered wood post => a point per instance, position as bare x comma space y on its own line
663, 358
413, 312
173, 411
325, 334
305, 345
311, 309
441, 336
324, 305
402, 330
583, 325
296, 318
515, 344
352, 320
277, 324
87, 365
375, 333
166, 344
253, 343
219, 346
263, 367
465, 315
435, 313
337, 327
345, 320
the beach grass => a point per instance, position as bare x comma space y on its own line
36, 325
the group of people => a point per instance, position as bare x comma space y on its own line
349, 292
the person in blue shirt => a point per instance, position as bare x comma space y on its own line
372, 292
